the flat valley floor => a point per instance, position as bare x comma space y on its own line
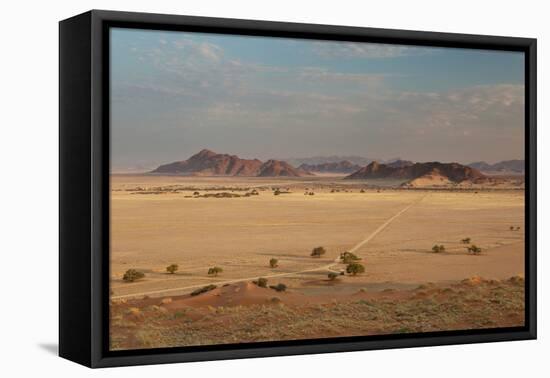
198, 223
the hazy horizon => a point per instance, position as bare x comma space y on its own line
175, 93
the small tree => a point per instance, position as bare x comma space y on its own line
262, 282
511, 228
214, 271
196, 193
348, 257
438, 248
273, 262
318, 252
172, 268
355, 268
132, 275
466, 241
332, 276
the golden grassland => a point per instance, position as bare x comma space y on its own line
239, 224
152, 231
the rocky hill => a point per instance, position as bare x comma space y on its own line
421, 174
277, 168
209, 163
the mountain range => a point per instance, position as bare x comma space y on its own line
344, 166
421, 174
209, 163
505, 166
315, 160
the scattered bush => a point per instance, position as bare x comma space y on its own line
348, 257
438, 248
132, 275
278, 191
262, 282
318, 251
355, 268
203, 290
172, 268
466, 241
474, 249
362, 190
332, 276
196, 193
278, 287
273, 263
214, 271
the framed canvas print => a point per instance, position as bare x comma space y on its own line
234, 188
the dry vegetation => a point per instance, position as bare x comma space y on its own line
471, 304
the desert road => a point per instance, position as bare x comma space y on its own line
327, 267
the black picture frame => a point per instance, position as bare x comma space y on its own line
84, 187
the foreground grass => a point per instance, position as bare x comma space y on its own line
470, 304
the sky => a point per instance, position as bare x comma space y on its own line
175, 93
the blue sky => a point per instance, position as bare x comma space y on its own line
174, 93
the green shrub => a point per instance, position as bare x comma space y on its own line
203, 290
355, 268
474, 249
438, 248
348, 257
466, 241
279, 287
332, 276
172, 268
318, 251
132, 275
214, 271
262, 282
273, 263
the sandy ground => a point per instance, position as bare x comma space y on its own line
151, 231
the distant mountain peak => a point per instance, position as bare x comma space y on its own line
344, 166
515, 166
210, 163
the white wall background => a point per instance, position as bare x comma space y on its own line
29, 185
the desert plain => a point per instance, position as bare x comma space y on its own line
240, 223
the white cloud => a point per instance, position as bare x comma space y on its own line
367, 50
195, 84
